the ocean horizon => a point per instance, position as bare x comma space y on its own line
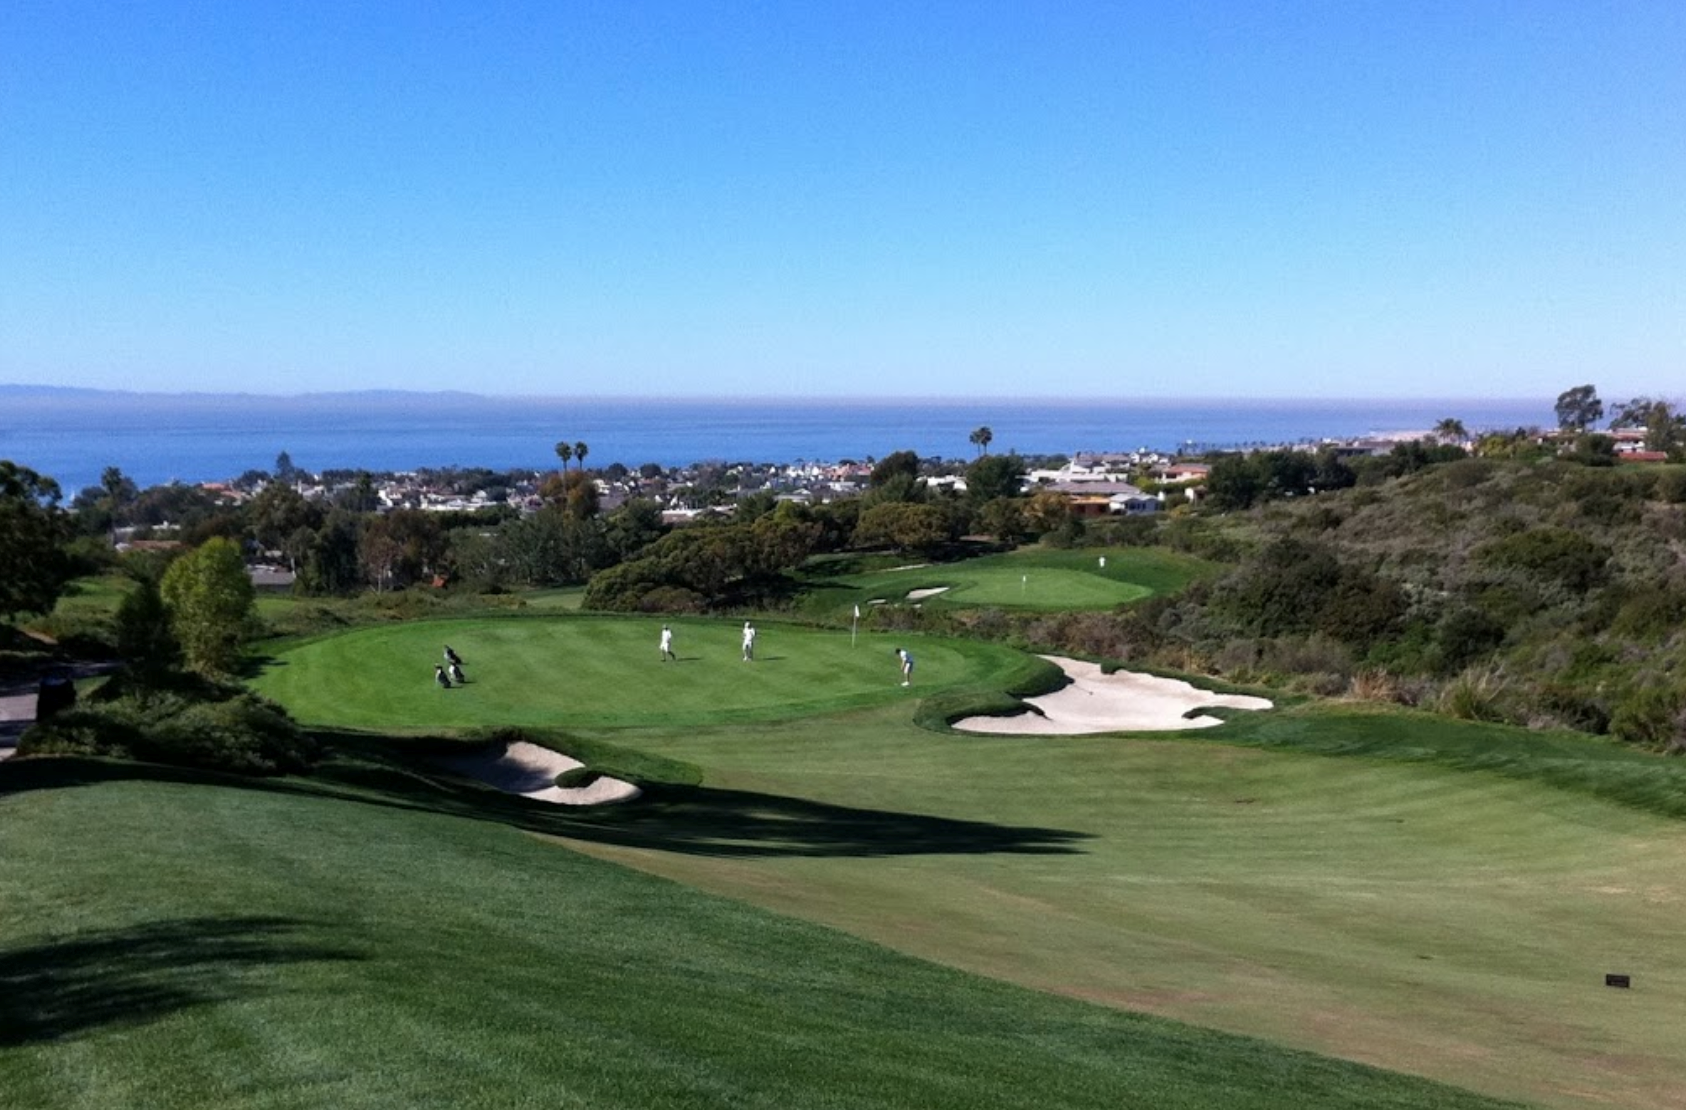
72, 435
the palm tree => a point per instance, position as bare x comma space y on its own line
579, 453
980, 439
1450, 430
564, 451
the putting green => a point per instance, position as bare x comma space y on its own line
607, 672
1037, 578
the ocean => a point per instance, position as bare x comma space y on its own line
73, 435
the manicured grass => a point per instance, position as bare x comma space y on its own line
94, 597
1036, 578
192, 944
1452, 923
1444, 900
607, 671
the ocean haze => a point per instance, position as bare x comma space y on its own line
71, 435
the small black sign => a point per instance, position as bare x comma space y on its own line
1622, 981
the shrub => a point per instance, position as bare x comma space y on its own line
1652, 716
1463, 636
1373, 684
242, 734
1478, 694
1554, 555
1671, 485
1316, 655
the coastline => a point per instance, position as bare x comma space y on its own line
157, 438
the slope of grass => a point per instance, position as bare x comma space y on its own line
1570, 761
188, 944
1414, 915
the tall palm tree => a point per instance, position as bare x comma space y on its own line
564, 451
980, 439
1450, 430
579, 453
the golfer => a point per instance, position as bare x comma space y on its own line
667, 644
906, 658
441, 677
748, 641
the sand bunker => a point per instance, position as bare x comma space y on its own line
1119, 702
928, 591
530, 771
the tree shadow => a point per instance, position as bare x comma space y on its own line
699, 820
704, 821
128, 976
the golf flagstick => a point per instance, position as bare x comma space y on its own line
854, 626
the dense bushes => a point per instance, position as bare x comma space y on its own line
708, 564
191, 725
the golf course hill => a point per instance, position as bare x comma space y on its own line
824, 893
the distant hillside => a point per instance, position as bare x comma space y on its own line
32, 391
1542, 594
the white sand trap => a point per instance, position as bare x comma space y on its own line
530, 771
1119, 702
928, 591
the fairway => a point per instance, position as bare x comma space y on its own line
1449, 923
1035, 578
300, 945
607, 672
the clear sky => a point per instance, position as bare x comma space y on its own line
1341, 198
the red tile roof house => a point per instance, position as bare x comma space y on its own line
1104, 498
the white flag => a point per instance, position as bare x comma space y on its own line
857, 612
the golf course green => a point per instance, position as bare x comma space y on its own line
608, 672
1039, 579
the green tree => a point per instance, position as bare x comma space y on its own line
904, 526
1451, 430
580, 451
33, 531
1579, 408
361, 496
632, 527
144, 639
209, 597
993, 477
580, 498
1233, 483
400, 548
981, 438
1003, 518
903, 464
276, 514
565, 452
1664, 429
120, 492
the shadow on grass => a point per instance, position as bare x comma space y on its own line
114, 977
699, 820
670, 817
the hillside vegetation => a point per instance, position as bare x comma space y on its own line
1543, 594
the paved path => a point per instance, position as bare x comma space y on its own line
16, 713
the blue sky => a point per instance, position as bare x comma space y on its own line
1367, 199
